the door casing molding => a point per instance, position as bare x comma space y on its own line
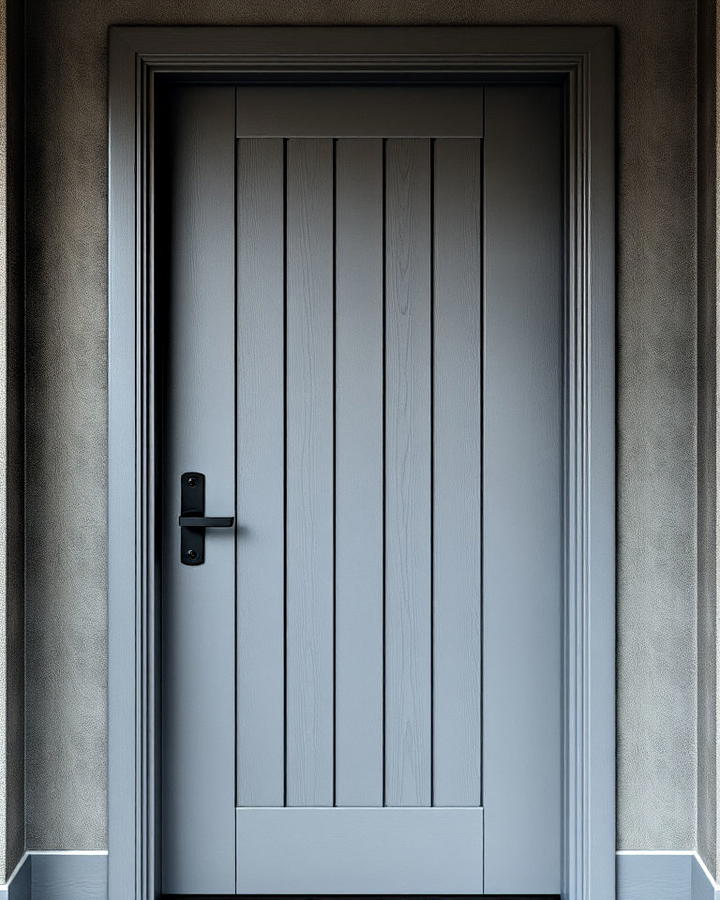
583, 59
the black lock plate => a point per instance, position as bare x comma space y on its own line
193, 520
192, 503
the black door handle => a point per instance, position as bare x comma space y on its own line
206, 521
193, 521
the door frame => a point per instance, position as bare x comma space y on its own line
583, 59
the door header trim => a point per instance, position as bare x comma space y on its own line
583, 59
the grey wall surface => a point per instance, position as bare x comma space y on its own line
66, 390
11, 437
707, 423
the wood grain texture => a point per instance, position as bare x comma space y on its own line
260, 473
309, 385
457, 415
407, 475
523, 491
359, 473
198, 616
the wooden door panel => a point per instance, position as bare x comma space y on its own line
395, 850
198, 620
383, 359
309, 581
260, 469
381, 421
457, 473
359, 481
408, 602
523, 492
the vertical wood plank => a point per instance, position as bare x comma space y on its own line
407, 477
260, 474
522, 490
457, 411
309, 579
198, 622
359, 473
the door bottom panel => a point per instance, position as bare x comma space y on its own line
361, 850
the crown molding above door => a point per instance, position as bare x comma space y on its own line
583, 59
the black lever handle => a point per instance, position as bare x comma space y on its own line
193, 520
206, 521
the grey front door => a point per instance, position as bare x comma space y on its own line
362, 681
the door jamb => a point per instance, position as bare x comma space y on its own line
583, 58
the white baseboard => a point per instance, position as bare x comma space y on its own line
664, 875
58, 875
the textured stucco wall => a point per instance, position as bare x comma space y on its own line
11, 437
66, 390
707, 607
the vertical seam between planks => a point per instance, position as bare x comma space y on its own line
384, 469
334, 467
483, 332
432, 149
285, 475
236, 148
